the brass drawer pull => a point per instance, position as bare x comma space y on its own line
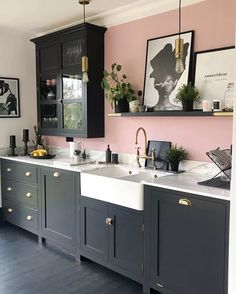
28, 195
8, 169
10, 210
56, 175
29, 218
28, 174
185, 202
109, 221
9, 189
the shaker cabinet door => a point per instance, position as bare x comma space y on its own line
187, 243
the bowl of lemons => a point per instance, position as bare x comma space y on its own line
41, 154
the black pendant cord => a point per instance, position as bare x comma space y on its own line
179, 18
84, 31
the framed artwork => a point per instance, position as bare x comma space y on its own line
161, 81
9, 97
215, 73
160, 148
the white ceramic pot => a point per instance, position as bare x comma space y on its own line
134, 106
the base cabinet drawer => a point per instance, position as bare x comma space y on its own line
19, 171
20, 192
21, 216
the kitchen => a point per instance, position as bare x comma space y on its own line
125, 43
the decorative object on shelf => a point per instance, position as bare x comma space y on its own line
161, 80
12, 146
160, 148
206, 106
118, 91
174, 155
179, 48
135, 104
85, 77
108, 154
25, 140
39, 141
187, 95
9, 97
216, 105
215, 75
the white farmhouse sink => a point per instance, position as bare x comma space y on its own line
117, 184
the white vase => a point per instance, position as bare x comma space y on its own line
134, 106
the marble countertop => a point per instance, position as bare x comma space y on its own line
185, 182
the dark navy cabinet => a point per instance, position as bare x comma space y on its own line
58, 189
113, 236
186, 243
66, 105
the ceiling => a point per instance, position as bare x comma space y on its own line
40, 16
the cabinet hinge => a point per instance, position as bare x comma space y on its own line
142, 227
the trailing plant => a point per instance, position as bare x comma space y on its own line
187, 93
176, 153
115, 85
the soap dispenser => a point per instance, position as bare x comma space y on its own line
108, 154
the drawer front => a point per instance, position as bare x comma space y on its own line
21, 216
23, 172
20, 192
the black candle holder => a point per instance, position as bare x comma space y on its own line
12, 152
26, 147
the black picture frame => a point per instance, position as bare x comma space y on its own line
160, 63
160, 150
209, 65
9, 97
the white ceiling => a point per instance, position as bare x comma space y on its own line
39, 16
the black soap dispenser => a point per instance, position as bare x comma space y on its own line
108, 154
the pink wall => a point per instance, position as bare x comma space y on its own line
214, 24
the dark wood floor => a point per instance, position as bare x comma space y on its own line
27, 268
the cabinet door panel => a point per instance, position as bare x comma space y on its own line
94, 231
187, 244
126, 240
59, 206
49, 57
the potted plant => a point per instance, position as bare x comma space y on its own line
118, 91
39, 141
174, 155
187, 95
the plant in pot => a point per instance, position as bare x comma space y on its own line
187, 95
174, 155
117, 90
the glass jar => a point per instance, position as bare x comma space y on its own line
229, 97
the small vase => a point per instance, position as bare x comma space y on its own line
134, 106
187, 105
174, 166
121, 105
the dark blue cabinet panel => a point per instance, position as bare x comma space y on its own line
186, 244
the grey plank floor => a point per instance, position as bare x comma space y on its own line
27, 268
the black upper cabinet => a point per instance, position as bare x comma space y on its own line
66, 105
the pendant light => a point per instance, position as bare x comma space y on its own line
179, 47
85, 78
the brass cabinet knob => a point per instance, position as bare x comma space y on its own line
8, 169
9, 189
185, 202
28, 174
10, 210
109, 221
28, 195
56, 174
29, 218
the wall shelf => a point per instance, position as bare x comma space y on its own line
172, 113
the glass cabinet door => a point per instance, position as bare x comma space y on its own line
73, 103
48, 88
72, 53
49, 116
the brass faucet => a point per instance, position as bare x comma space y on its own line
145, 155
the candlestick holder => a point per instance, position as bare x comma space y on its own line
12, 151
25, 147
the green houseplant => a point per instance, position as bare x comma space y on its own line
187, 95
174, 155
118, 91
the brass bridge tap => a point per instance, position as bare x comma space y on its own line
145, 155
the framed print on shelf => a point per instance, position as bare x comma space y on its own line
215, 75
161, 81
9, 97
